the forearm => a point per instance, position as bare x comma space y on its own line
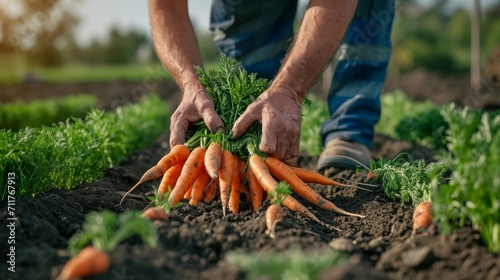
175, 41
317, 39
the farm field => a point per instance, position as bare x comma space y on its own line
195, 241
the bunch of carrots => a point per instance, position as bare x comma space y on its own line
210, 165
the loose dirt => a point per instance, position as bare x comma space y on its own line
195, 239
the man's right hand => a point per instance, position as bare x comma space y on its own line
196, 105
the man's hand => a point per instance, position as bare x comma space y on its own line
278, 110
196, 105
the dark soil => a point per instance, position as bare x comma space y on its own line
195, 239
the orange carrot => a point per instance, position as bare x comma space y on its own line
155, 214
261, 171
192, 168
281, 171
256, 190
244, 190
234, 196
178, 154
187, 195
170, 178
294, 205
309, 176
213, 159
422, 217
243, 172
199, 187
274, 214
370, 176
225, 177
90, 261
210, 191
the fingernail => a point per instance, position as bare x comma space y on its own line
220, 129
231, 135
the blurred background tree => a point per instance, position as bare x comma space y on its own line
42, 33
438, 39
121, 47
42, 30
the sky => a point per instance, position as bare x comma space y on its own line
97, 16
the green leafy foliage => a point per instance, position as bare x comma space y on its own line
407, 180
438, 38
105, 230
473, 193
77, 151
314, 113
161, 200
411, 121
17, 115
282, 190
292, 264
232, 89
427, 127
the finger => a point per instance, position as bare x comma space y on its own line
268, 143
212, 120
293, 161
291, 156
243, 123
178, 132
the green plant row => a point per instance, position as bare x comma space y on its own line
292, 264
472, 162
407, 180
473, 193
314, 113
19, 114
78, 150
411, 121
401, 118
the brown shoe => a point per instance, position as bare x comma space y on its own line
345, 154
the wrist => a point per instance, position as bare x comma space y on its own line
285, 85
287, 89
191, 86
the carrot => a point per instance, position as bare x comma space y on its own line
256, 191
225, 177
294, 205
309, 176
243, 172
370, 176
234, 196
90, 261
178, 154
281, 171
274, 214
187, 195
244, 190
422, 217
261, 171
199, 187
192, 168
213, 159
210, 191
155, 213
170, 178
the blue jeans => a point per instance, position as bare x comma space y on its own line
259, 35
